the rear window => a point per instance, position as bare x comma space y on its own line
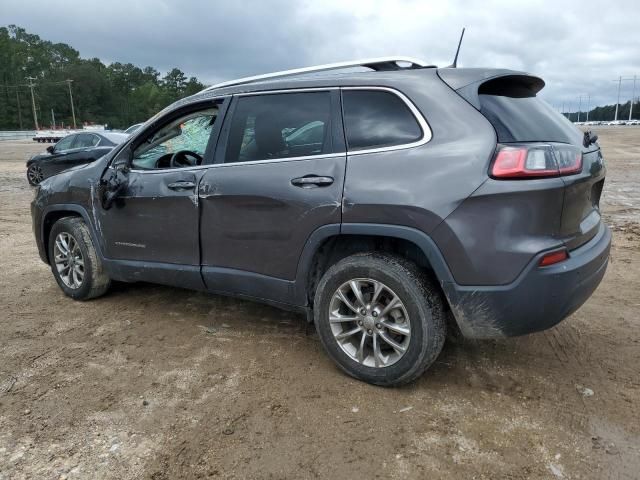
518, 115
375, 119
85, 140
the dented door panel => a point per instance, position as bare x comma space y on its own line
156, 218
255, 219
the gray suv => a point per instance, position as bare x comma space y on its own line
388, 204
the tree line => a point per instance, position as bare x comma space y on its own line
117, 95
607, 113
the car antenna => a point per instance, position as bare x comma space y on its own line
455, 59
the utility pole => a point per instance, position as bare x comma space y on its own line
19, 107
563, 110
53, 119
18, 101
632, 97
579, 106
73, 112
33, 101
619, 82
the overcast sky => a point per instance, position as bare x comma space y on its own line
578, 47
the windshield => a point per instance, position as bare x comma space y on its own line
190, 133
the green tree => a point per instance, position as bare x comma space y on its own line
118, 94
174, 83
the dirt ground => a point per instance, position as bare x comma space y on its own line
161, 383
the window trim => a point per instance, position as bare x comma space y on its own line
422, 123
228, 106
285, 90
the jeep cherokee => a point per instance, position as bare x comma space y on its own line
378, 202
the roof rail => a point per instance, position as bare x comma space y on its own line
381, 63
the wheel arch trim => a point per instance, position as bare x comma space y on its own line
78, 210
321, 234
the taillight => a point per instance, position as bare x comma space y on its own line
569, 159
535, 161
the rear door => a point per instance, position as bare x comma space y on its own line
278, 176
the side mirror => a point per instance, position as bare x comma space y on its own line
51, 149
112, 185
123, 161
121, 165
589, 138
116, 180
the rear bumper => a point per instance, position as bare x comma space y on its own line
538, 299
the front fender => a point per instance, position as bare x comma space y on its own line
52, 213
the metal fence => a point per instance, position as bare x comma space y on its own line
17, 135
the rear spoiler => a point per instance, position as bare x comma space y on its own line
470, 82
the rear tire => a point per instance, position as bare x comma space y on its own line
74, 261
397, 335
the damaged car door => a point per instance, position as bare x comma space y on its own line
154, 216
277, 177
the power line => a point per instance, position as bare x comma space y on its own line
31, 86
62, 82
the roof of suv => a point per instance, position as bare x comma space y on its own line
455, 77
334, 79
399, 78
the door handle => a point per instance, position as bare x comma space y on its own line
310, 181
182, 185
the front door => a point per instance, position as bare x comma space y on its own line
155, 220
278, 176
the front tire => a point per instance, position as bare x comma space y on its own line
35, 175
380, 319
74, 261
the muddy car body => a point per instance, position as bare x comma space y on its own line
431, 190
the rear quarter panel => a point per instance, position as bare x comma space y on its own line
498, 230
581, 210
419, 187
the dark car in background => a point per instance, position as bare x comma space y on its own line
382, 204
75, 149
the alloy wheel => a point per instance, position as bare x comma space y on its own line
34, 174
370, 322
69, 260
